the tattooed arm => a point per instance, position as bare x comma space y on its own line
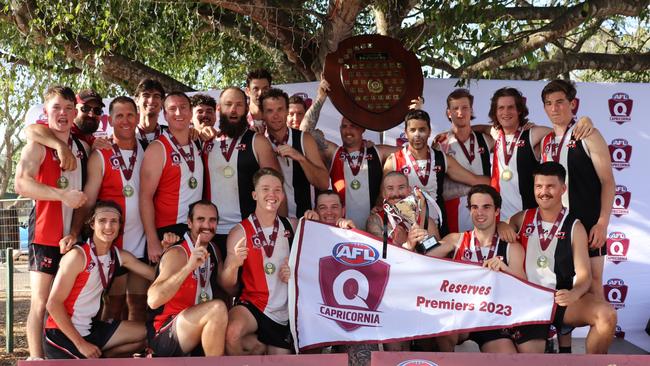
311, 116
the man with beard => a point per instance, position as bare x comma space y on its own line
257, 82
56, 193
149, 95
184, 317
426, 167
89, 107
231, 159
258, 254
171, 176
297, 152
555, 242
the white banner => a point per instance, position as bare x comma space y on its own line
342, 291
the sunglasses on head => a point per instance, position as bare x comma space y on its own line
97, 110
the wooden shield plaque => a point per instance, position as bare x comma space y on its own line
372, 80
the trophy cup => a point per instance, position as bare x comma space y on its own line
411, 210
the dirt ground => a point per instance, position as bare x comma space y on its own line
21, 308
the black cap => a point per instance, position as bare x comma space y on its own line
87, 95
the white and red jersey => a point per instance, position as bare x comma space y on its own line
189, 293
466, 250
229, 184
132, 239
455, 193
174, 194
357, 201
262, 286
517, 192
51, 220
84, 301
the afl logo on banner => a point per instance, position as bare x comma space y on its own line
622, 199
620, 152
416, 363
352, 283
620, 108
615, 292
617, 246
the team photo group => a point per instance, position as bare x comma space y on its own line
174, 240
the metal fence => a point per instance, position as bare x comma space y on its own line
14, 219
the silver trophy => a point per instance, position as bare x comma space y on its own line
409, 211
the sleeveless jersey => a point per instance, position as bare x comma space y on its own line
559, 271
174, 195
455, 193
466, 251
85, 298
146, 138
583, 185
233, 195
132, 238
50, 221
300, 193
517, 193
357, 202
189, 293
263, 289
434, 185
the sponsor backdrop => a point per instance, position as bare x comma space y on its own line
343, 292
621, 112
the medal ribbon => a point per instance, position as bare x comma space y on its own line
128, 172
111, 267
545, 241
157, 131
468, 154
275, 142
225, 150
509, 151
555, 148
189, 158
355, 166
270, 245
423, 177
477, 248
202, 271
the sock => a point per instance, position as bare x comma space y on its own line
565, 349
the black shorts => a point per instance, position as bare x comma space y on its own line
121, 270
57, 346
165, 343
44, 258
525, 333
598, 252
485, 336
268, 331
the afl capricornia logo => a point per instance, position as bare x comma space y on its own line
622, 199
615, 291
352, 283
620, 108
617, 246
416, 363
621, 152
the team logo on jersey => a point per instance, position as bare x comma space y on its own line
617, 246
619, 332
91, 265
352, 283
560, 235
115, 163
615, 292
620, 108
481, 150
417, 362
620, 152
241, 147
467, 255
529, 230
622, 200
406, 170
176, 158
287, 233
437, 168
521, 143
576, 106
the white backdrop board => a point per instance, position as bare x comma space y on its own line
622, 113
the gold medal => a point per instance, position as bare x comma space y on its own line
506, 174
542, 261
62, 182
269, 268
355, 184
203, 297
128, 190
228, 171
193, 183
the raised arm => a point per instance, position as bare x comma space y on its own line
310, 120
174, 269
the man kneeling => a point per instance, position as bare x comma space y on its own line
182, 317
85, 273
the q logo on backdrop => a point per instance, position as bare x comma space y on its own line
352, 283
620, 108
615, 291
617, 246
620, 151
622, 199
